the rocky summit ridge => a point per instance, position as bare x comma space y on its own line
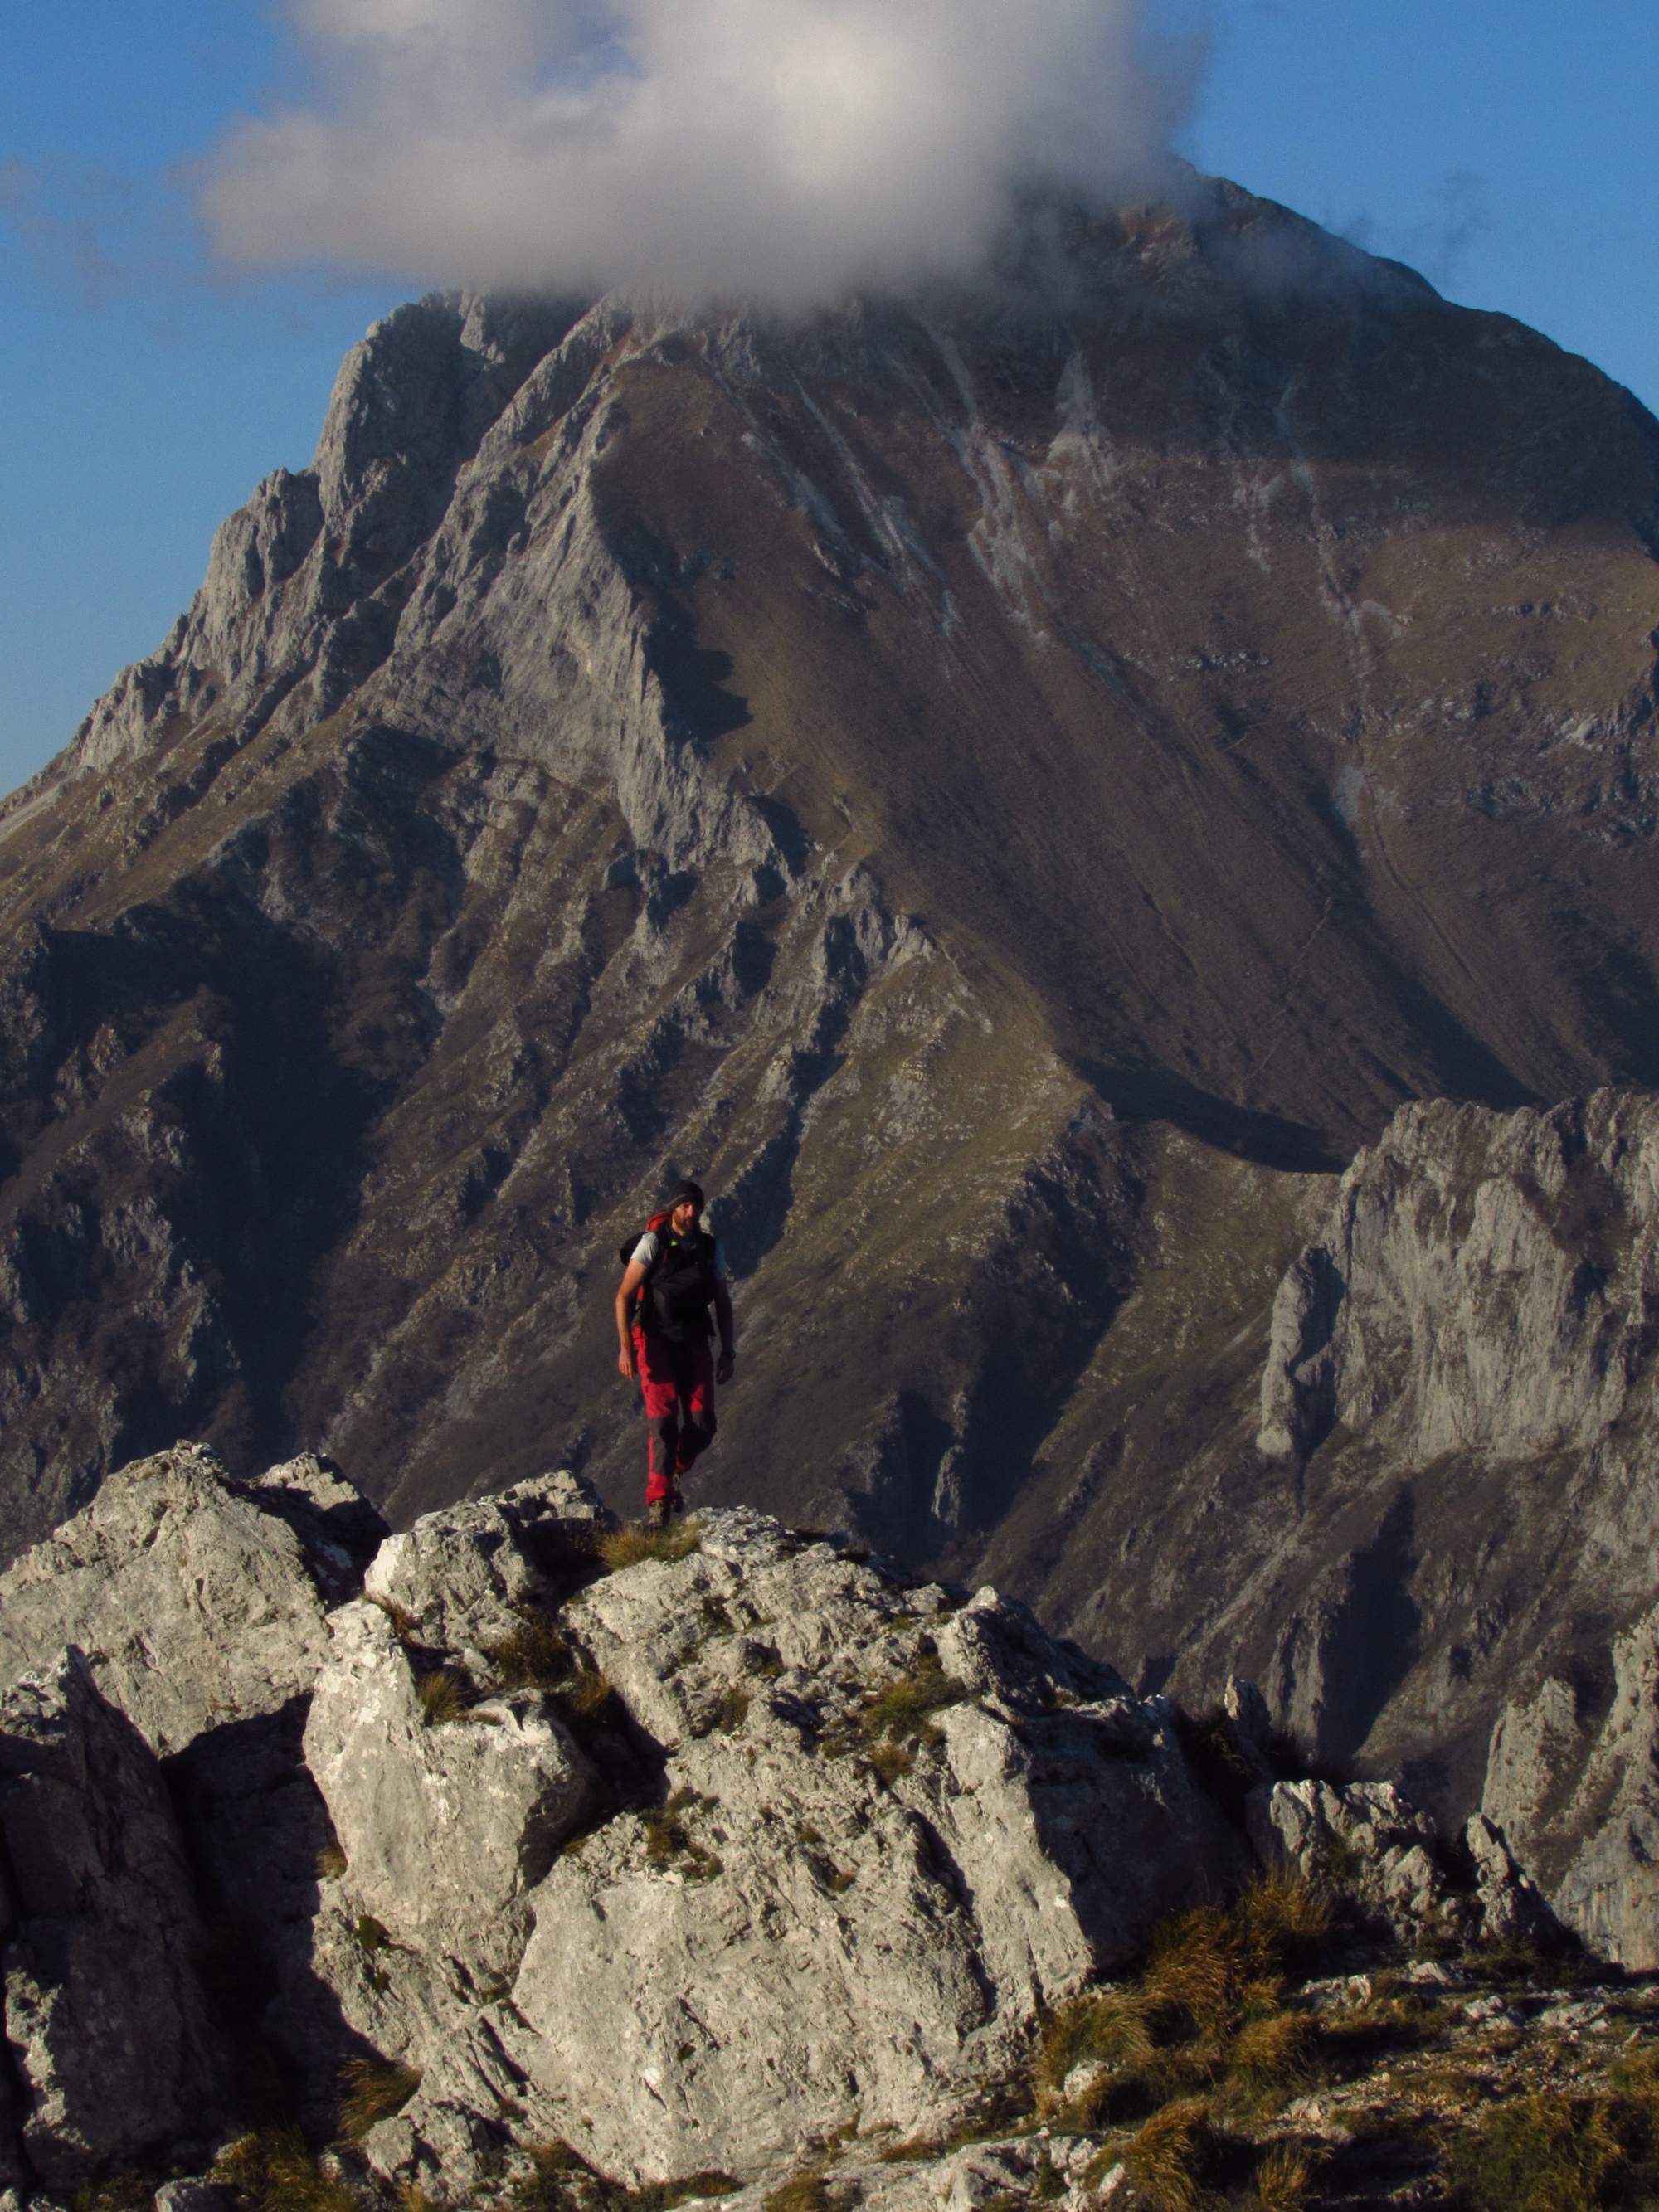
682, 1858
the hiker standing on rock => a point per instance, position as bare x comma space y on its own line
671, 1276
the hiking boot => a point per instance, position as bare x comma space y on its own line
656, 1516
676, 1503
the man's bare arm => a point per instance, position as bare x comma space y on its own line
632, 1276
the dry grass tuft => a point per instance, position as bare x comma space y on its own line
729, 1713
445, 1695
901, 1711
889, 1760
1112, 2028
330, 1863
534, 1657
669, 1841
628, 1547
273, 2172
1282, 2178
372, 2091
1168, 2159
117, 2192
810, 2192
1275, 2052
1207, 2009
561, 2181
404, 1622
1560, 2153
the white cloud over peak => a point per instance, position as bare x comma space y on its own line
786, 148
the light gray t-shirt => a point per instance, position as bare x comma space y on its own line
650, 1244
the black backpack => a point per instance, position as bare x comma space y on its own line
673, 1300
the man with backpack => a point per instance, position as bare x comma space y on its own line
671, 1276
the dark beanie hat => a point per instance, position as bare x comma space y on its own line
683, 1189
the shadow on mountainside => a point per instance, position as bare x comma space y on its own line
1266, 1141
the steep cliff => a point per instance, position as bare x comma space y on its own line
978, 778
1426, 1521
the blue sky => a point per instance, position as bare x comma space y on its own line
1506, 149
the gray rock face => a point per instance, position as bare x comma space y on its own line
1384, 1851
1366, 1836
446, 1824
298, 580
1450, 1306
1572, 1783
819, 1917
204, 1603
1511, 1903
464, 1575
105, 2017
201, 1601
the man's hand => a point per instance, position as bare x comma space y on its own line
625, 1366
725, 1366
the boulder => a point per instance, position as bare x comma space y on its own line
462, 1578
1365, 1838
203, 1602
200, 1601
892, 1825
447, 1820
105, 2016
1511, 1903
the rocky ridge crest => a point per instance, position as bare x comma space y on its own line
691, 1865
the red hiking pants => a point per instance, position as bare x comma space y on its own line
677, 1380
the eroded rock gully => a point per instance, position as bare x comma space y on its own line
691, 1865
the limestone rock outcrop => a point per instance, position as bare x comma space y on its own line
1573, 1783
1484, 1286
685, 1862
1386, 1854
108, 2029
448, 1818
463, 1576
802, 1937
201, 1601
